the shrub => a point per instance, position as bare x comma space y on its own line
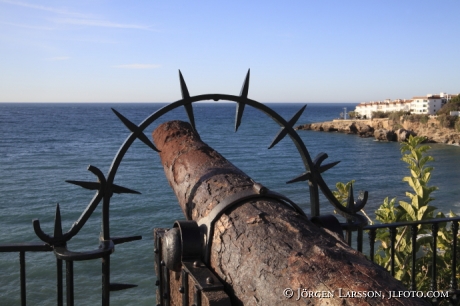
353, 115
416, 118
452, 105
396, 116
457, 125
424, 119
447, 121
418, 208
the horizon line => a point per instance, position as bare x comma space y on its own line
141, 102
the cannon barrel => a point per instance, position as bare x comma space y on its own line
261, 247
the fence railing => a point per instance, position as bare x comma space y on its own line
454, 292
22, 249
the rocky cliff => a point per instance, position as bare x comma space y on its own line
388, 130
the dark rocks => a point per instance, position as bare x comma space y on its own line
403, 134
384, 135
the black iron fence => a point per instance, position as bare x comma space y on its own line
22, 249
452, 295
449, 295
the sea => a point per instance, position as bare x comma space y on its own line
44, 144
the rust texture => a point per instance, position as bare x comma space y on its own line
261, 247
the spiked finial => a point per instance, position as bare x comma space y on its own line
351, 199
240, 105
57, 223
245, 88
183, 87
316, 167
100, 185
283, 131
303, 177
187, 104
97, 185
134, 128
191, 117
361, 202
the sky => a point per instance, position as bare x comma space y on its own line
297, 51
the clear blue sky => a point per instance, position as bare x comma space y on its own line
298, 51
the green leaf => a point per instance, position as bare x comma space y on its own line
409, 210
424, 212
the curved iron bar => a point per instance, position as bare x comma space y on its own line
105, 186
313, 167
78, 225
105, 248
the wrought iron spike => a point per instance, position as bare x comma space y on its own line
183, 87
119, 189
278, 137
303, 177
240, 105
290, 123
239, 114
297, 115
307, 175
351, 199
57, 223
245, 87
131, 126
328, 166
134, 128
360, 203
191, 117
146, 141
118, 287
119, 240
97, 186
86, 185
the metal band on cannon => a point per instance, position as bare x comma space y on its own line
257, 192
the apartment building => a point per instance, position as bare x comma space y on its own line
366, 109
428, 105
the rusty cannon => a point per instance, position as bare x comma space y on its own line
243, 244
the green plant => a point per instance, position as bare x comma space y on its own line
417, 208
397, 116
452, 105
341, 193
416, 118
457, 124
379, 114
353, 114
424, 119
447, 121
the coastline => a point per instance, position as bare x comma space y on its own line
384, 129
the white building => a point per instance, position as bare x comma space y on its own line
428, 105
366, 109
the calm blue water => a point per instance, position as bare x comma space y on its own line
42, 145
